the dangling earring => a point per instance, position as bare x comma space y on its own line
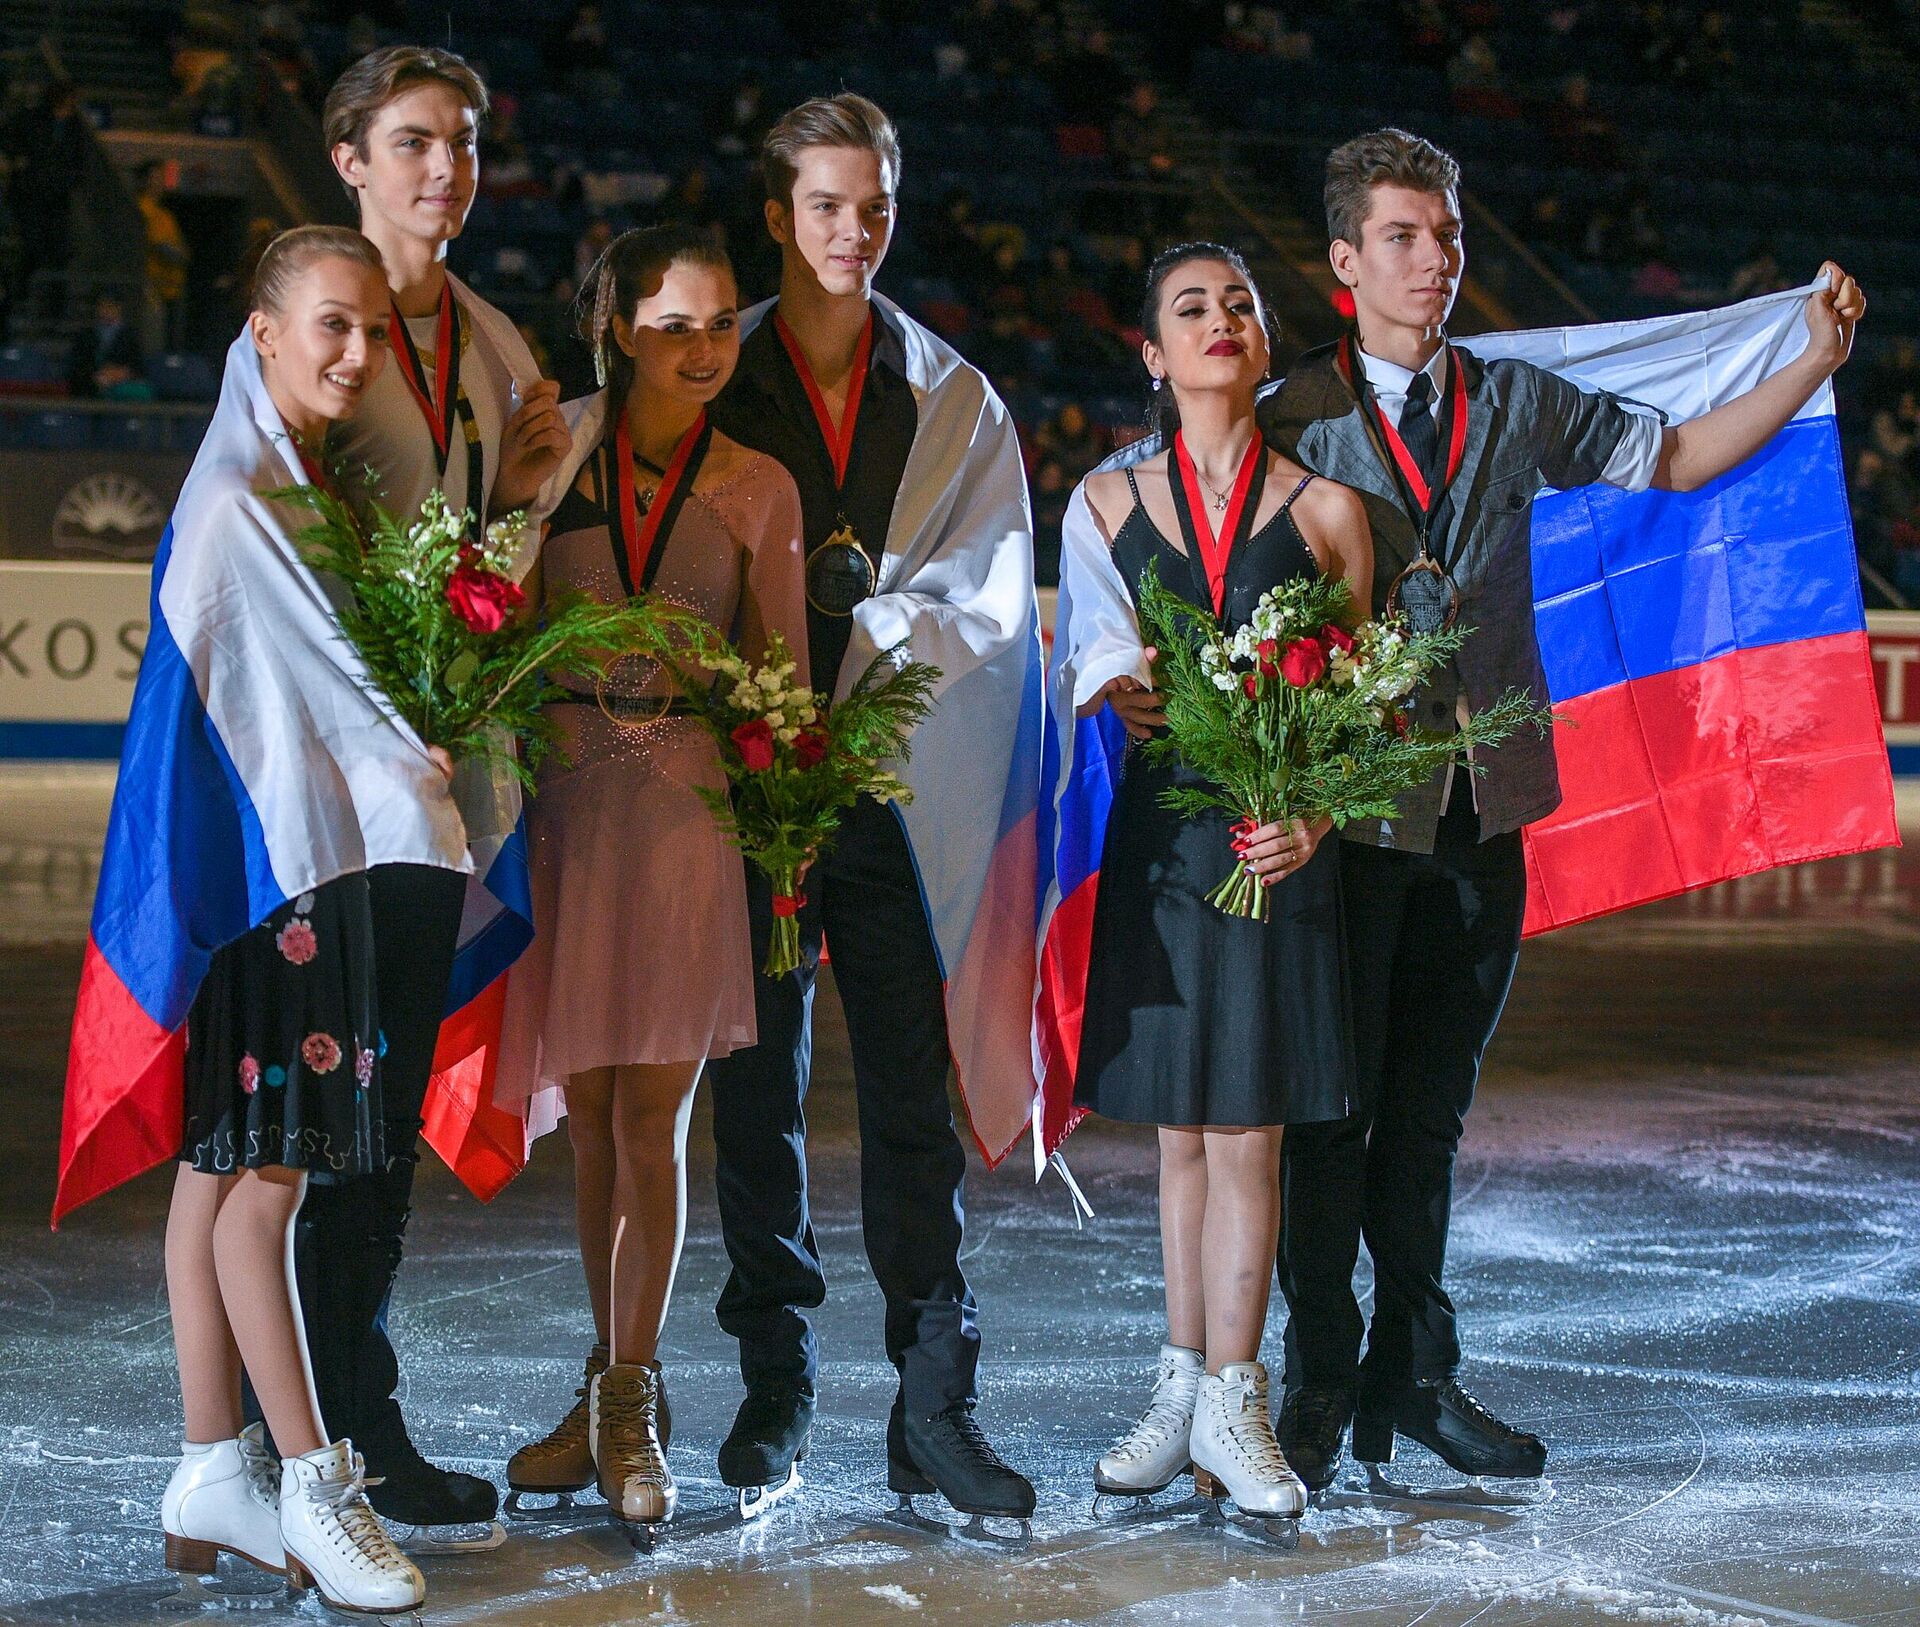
1158, 381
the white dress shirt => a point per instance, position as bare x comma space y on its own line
1631, 467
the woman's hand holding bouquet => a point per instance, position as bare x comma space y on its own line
1298, 720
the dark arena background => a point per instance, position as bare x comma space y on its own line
1685, 1220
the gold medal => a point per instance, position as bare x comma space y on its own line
839, 573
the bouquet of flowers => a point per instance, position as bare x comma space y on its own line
432, 613
793, 764
1303, 713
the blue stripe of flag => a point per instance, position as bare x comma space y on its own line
1633, 584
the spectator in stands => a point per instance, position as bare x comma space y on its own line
1886, 516
107, 357
1070, 438
1758, 274
1089, 82
1138, 137
1479, 87
582, 57
592, 243
49, 146
1052, 487
1581, 132
739, 119
167, 258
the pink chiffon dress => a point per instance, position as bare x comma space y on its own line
641, 950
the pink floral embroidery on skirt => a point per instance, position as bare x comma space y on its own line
297, 942
249, 1074
320, 1052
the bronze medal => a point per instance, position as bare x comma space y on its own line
1426, 595
839, 573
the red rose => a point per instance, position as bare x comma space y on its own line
785, 904
1251, 685
755, 740
1305, 661
1397, 721
481, 599
811, 746
1336, 638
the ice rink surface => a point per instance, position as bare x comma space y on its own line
1686, 1247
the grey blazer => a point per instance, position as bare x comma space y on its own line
1526, 429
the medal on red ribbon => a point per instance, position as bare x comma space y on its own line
1425, 593
839, 574
448, 413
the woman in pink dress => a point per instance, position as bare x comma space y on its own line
641, 966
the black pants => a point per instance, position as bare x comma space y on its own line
348, 1238
1432, 941
865, 895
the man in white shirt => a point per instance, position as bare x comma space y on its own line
461, 407
1448, 454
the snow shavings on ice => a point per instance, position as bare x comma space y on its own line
894, 1593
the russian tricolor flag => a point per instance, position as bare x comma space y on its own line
1707, 651
257, 766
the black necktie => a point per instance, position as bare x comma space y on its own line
1416, 424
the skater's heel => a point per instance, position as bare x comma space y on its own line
1205, 1484
907, 1481
191, 1558
1372, 1437
299, 1578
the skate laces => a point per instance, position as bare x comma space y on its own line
1167, 1415
960, 1422
262, 1470
624, 1418
353, 1516
1248, 1431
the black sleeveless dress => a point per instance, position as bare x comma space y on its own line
1193, 1016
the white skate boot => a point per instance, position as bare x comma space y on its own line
224, 1498
1234, 1450
1153, 1454
335, 1541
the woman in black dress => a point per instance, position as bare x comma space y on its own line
1218, 1030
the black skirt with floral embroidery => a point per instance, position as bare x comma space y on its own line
283, 1044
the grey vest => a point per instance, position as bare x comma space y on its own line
1526, 429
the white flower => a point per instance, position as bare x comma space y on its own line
745, 697
807, 713
776, 719
768, 679
1223, 680
786, 736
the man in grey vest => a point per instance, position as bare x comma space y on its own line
1448, 454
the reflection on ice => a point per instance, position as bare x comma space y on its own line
1686, 1247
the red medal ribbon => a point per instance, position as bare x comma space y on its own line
1410, 471
642, 538
1215, 548
839, 437
438, 408
315, 474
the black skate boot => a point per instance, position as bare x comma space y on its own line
1450, 1423
949, 1454
761, 1455
432, 1510
1311, 1429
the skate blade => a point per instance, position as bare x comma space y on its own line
1115, 1508
645, 1536
195, 1597
563, 1510
1005, 1533
474, 1537
1472, 1492
757, 1502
